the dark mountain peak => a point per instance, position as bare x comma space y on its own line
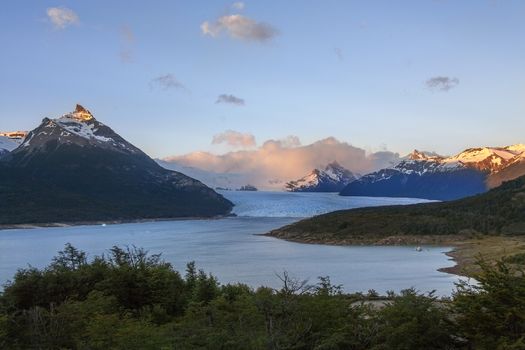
78, 128
75, 168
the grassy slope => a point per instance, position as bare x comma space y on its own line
499, 211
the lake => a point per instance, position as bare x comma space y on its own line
231, 249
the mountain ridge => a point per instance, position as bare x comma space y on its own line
443, 178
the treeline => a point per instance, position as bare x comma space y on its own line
128, 299
497, 212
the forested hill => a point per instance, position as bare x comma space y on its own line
499, 211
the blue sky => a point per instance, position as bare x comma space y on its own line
360, 71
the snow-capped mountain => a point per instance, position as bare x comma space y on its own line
75, 168
333, 178
435, 177
76, 128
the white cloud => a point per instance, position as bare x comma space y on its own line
239, 27
61, 17
290, 141
441, 83
230, 99
234, 139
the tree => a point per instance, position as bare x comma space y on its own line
491, 313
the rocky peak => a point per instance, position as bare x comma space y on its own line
417, 155
81, 114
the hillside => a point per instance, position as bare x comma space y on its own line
499, 211
74, 168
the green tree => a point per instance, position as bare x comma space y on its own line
491, 313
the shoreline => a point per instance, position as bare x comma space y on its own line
108, 222
464, 252
464, 249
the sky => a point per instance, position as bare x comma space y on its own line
175, 77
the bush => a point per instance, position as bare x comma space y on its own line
129, 299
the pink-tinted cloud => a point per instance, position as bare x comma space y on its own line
239, 27
278, 161
62, 17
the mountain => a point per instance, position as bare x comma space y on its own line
75, 168
513, 169
498, 211
333, 178
420, 175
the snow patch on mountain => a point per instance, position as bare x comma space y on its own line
71, 125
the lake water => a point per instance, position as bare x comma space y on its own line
231, 250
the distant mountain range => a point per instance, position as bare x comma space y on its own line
74, 168
470, 172
333, 178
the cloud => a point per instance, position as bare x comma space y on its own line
290, 141
61, 17
339, 53
234, 139
127, 38
127, 34
239, 5
239, 27
441, 83
274, 163
167, 82
230, 99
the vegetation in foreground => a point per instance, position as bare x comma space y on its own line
128, 299
500, 211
